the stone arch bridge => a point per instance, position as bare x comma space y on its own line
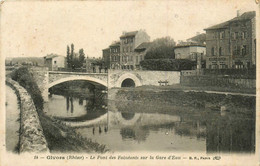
114, 78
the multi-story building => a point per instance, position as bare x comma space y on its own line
115, 55
106, 57
129, 41
111, 56
232, 44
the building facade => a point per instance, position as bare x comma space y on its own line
232, 44
189, 51
128, 52
115, 55
129, 41
54, 62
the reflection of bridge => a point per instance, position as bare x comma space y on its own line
114, 78
116, 119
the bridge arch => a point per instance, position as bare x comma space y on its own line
74, 78
126, 76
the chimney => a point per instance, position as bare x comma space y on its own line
238, 13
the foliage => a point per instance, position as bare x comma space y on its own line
167, 64
98, 62
68, 57
81, 57
161, 48
26, 80
75, 60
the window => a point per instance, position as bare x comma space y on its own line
220, 51
55, 62
130, 40
238, 50
244, 50
221, 35
236, 35
212, 51
131, 58
141, 57
136, 59
243, 35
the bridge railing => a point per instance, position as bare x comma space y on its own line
76, 73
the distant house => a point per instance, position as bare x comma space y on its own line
54, 62
140, 52
189, 51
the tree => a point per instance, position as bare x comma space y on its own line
68, 57
81, 57
72, 56
161, 48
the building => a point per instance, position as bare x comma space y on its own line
140, 52
54, 62
111, 56
128, 52
189, 51
129, 41
200, 38
232, 44
115, 55
106, 57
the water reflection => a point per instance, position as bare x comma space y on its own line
128, 126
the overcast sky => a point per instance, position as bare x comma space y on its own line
39, 28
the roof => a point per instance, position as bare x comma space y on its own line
199, 38
143, 46
128, 34
190, 45
50, 56
219, 26
245, 16
105, 49
115, 44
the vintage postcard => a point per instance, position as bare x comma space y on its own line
129, 82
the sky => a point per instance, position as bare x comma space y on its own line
38, 28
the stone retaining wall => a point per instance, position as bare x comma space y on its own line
31, 137
217, 81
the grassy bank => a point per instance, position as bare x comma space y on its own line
199, 88
181, 100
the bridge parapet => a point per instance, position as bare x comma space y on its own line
56, 75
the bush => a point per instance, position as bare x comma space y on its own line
167, 64
26, 80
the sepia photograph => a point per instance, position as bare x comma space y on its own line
129, 82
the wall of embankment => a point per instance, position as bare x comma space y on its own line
217, 81
31, 137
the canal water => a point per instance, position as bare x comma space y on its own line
12, 123
129, 126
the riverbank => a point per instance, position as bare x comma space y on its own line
31, 137
181, 99
200, 88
